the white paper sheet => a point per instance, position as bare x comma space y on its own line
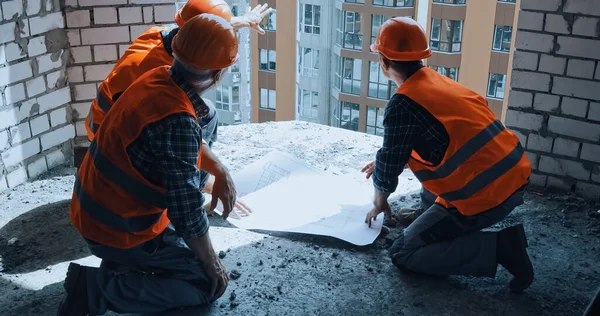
288, 195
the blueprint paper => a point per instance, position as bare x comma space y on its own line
288, 195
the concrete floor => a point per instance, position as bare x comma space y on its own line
290, 274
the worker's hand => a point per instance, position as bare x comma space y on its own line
223, 190
368, 169
239, 205
217, 276
379, 205
255, 16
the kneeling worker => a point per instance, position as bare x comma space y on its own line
472, 169
136, 200
153, 49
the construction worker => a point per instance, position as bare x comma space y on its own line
135, 199
153, 49
472, 169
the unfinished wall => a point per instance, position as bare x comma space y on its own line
555, 99
99, 32
35, 129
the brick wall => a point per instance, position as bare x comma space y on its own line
35, 123
99, 32
554, 103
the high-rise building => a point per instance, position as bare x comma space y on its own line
314, 63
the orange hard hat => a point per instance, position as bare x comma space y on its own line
195, 7
401, 39
216, 49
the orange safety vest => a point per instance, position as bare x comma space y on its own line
484, 163
145, 53
112, 203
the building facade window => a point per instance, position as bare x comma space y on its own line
268, 60
344, 114
450, 72
227, 98
337, 76
269, 23
502, 38
354, 1
375, 120
267, 99
349, 116
376, 21
496, 86
339, 26
310, 19
508, 1
349, 73
446, 35
379, 86
394, 3
308, 62
450, 1
352, 37
334, 112
308, 103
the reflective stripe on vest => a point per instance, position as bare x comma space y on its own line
486, 177
106, 217
462, 154
117, 176
104, 105
102, 102
93, 126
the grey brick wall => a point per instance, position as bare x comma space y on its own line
35, 124
554, 104
99, 33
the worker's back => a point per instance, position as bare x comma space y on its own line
484, 163
147, 52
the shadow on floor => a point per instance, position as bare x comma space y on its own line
39, 238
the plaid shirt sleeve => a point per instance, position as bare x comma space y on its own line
401, 129
177, 148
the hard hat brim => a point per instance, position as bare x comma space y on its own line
401, 56
178, 19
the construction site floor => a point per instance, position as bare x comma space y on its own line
292, 274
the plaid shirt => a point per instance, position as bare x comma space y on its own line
166, 153
407, 127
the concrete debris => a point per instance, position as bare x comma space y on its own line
234, 274
12, 241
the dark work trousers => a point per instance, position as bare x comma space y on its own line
444, 242
160, 275
157, 276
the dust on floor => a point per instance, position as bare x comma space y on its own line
290, 274
307, 275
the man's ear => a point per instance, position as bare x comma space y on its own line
385, 63
218, 75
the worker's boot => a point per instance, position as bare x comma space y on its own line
75, 302
511, 253
406, 216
